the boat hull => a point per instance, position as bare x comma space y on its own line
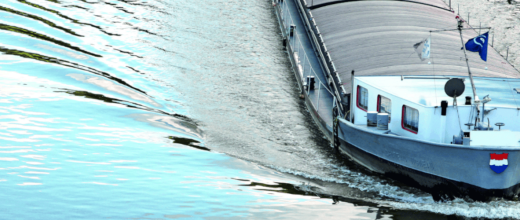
444, 171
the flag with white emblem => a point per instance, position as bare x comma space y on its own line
479, 44
423, 49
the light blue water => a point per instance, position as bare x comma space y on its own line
171, 109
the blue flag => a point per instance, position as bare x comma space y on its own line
479, 44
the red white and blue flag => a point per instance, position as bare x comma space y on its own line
498, 162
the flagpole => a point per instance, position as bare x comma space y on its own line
475, 96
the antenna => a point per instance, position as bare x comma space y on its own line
475, 96
454, 87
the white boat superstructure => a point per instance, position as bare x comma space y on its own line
422, 96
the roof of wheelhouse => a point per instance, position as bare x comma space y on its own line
377, 38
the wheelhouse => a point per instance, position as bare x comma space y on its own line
417, 102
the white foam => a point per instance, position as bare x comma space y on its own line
494, 209
364, 183
405, 200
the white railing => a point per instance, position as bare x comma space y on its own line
300, 56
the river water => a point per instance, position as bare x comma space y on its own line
139, 109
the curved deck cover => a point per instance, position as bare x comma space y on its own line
318, 3
377, 38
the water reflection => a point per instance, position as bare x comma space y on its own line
64, 16
129, 106
38, 18
189, 142
65, 63
39, 36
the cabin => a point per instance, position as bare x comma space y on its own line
413, 104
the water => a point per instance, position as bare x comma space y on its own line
173, 109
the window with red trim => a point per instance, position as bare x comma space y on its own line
362, 98
410, 119
384, 105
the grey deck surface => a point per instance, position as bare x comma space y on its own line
377, 38
306, 46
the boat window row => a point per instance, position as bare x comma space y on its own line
410, 117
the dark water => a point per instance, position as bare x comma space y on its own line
173, 109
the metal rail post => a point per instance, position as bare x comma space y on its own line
303, 64
318, 100
493, 40
297, 42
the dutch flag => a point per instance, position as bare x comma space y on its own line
498, 162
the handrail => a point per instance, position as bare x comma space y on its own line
338, 79
296, 43
306, 58
296, 47
314, 38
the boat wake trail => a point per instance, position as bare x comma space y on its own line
357, 186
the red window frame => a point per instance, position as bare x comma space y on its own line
358, 97
402, 119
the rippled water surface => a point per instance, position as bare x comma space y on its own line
173, 109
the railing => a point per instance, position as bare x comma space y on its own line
323, 53
301, 58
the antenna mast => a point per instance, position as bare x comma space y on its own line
475, 96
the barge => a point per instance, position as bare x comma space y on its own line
447, 122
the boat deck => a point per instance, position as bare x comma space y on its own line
306, 62
375, 130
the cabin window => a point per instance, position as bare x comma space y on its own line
410, 120
384, 105
362, 98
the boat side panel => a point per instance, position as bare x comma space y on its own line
469, 165
435, 185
